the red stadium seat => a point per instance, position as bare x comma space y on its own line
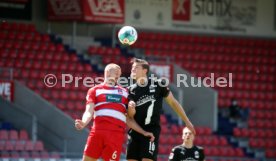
206, 140
31, 28
23, 135
34, 46
13, 135
8, 45
270, 153
29, 145
163, 139
20, 36
174, 129
162, 150
215, 141
28, 36
37, 37
38, 146
4, 135
9, 146
22, 27
2, 145
19, 145
3, 36
214, 152
60, 48
207, 151
164, 129
45, 38
171, 140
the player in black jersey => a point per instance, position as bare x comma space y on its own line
187, 151
147, 95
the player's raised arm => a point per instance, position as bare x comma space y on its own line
86, 117
179, 110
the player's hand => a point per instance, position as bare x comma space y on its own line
79, 124
131, 104
150, 135
131, 109
190, 126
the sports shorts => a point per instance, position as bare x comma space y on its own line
140, 146
105, 144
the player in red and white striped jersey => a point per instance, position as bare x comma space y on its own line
107, 102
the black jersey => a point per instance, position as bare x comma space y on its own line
181, 153
149, 100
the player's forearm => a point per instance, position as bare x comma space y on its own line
86, 117
131, 123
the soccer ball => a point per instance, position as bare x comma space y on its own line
127, 35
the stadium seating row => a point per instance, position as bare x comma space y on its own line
19, 27
27, 155
197, 39
19, 145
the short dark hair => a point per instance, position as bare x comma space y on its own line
144, 63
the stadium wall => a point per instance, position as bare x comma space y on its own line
17, 116
200, 103
54, 126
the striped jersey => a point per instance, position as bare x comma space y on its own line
110, 107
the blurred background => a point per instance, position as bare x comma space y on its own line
234, 39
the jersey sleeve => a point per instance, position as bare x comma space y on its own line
91, 96
200, 149
130, 94
202, 155
174, 155
164, 90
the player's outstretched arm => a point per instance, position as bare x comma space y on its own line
86, 117
179, 110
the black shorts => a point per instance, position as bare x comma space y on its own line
139, 146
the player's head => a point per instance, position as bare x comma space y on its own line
112, 73
188, 136
140, 68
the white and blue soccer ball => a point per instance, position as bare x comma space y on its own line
127, 35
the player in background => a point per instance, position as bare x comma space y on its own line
107, 102
148, 96
187, 150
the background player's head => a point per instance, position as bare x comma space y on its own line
188, 136
140, 68
112, 73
